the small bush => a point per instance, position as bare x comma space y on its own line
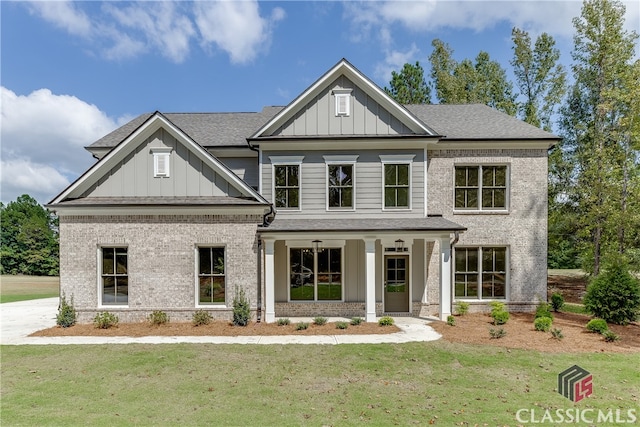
500, 317
342, 325
158, 317
543, 310
598, 326
451, 321
614, 295
385, 321
497, 333
67, 315
319, 320
496, 306
284, 321
355, 321
610, 336
462, 308
557, 334
105, 320
200, 318
301, 326
557, 301
241, 309
542, 324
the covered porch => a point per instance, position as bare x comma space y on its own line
357, 267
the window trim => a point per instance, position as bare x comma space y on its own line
480, 271
341, 160
99, 252
197, 248
397, 159
307, 244
286, 161
158, 154
480, 209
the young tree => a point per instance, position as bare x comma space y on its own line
600, 131
409, 86
29, 239
483, 81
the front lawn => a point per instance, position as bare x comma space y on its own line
22, 288
184, 384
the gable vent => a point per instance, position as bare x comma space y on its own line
161, 162
343, 101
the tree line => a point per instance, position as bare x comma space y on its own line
594, 172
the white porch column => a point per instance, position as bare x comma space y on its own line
370, 268
269, 282
445, 278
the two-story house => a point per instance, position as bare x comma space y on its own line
342, 203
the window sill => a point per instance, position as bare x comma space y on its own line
213, 306
335, 301
481, 212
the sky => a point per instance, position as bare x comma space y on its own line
71, 72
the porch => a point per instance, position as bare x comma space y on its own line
357, 267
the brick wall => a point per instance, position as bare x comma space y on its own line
161, 261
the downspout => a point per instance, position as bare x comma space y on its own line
259, 302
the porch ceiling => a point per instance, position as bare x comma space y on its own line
361, 225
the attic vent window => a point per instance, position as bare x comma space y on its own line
161, 162
343, 101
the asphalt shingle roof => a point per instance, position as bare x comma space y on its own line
159, 201
362, 224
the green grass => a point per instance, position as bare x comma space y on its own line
22, 288
574, 308
291, 385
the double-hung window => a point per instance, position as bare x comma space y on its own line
315, 275
481, 187
114, 276
287, 182
341, 182
211, 275
396, 171
481, 272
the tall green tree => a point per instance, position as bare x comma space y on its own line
539, 76
409, 86
29, 238
601, 134
481, 81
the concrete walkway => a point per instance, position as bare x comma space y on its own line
19, 319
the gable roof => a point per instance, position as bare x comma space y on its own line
344, 68
152, 123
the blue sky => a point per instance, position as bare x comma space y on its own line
73, 71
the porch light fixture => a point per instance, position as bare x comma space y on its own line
316, 245
399, 245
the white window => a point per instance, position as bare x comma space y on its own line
287, 182
343, 101
481, 188
341, 182
114, 276
396, 181
161, 162
481, 272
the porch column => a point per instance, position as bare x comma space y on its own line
445, 278
370, 274
269, 282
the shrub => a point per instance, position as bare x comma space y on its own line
543, 310
355, 321
500, 317
200, 318
342, 325
451, 321
496, 306
497, 333
319, 320
614, 295
105, 320
241, 309
462, 308
557, 301
610, 336
542, 324
158, 317
301, 326
598, 326
284, 321
557, 334
385, 321
67, 315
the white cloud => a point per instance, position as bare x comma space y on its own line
63, 14
394, 60
236, 27
42, 138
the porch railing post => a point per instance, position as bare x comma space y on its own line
445, 278
269, 282
370, 295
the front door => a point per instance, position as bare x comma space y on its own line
396, 284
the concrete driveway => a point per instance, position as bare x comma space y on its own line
19, 319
